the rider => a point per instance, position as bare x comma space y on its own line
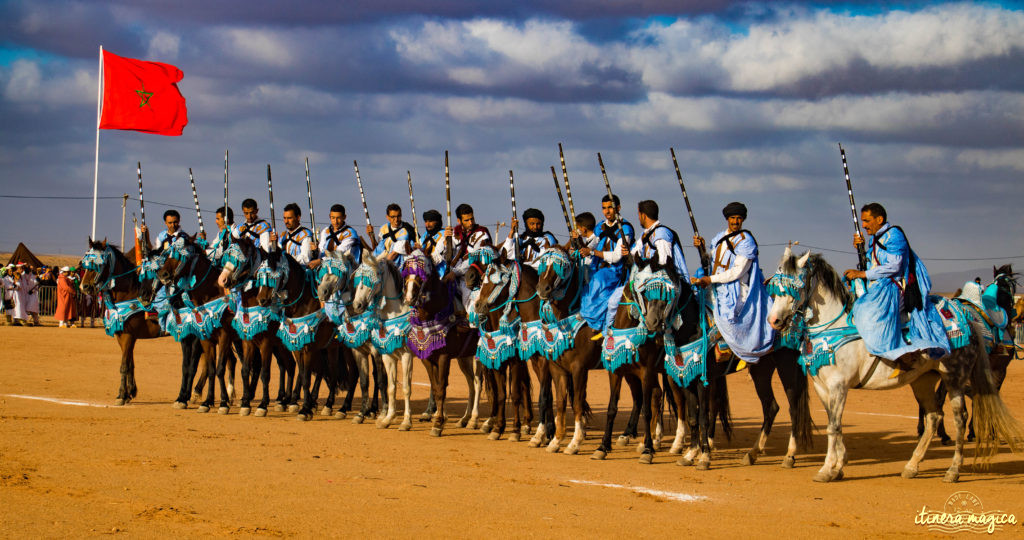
432, 242
533, 241
215, 248
172, 220
339, 236
741, 301
254, 228
606, 282
297, 240
898, 284
469, 237
395, 236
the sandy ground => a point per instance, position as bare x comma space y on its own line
147, 470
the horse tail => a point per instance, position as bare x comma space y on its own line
721, 399
992, 420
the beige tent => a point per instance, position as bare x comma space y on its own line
24, 255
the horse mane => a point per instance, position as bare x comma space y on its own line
828, 278
392, 272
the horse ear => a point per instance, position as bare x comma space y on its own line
995, 271
803, 260
787, 253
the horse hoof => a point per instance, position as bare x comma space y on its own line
684, 462
951, 477
294, 407
788, 462
424, 417
203, 409
909, 473
552, 447
646, 459
839, 475
244, 411
622, 442
524, 430
223, 410
494, 435
304, 417
406, 426
748, 459
599, 455
371, 415
179, 405
485, 428
675, 451
340, 415
358, 419
513, 436
261, 412
326, 411
382, 424
640, 447
572, 449
703, 465
279, 408
656, 444
534, 443
435, 432
118, 402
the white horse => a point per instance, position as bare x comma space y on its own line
809, 290
378, 287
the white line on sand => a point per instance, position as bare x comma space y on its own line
421, 384
55, 400
876, 414
671, 495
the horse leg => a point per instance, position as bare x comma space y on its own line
794, 382
407, 361
377, 399
650, 380
680, 403
692, 409
923, 392
657, 409
263, 353
545, 399
636, 392
390, 362
222, 368
127, 343
833, 397
705, 423
208, 359
498, 398
443, 369
761, 373
940, 400
516, 393
225, 355
362, 356
332, 378
248, 381
350, 377
526, 391
474, 381
304, 362
614, 387
579, 386
188, 372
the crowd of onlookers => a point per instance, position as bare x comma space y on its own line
21, 295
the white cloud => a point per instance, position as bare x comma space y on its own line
993, 159
26, 81
266, 47
163, 46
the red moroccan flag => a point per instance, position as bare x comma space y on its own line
142, 96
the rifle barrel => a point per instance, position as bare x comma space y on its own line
862, 259
558, 189
611, 197
309, 195
705, 260
195, 199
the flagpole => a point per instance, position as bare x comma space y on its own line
96, 165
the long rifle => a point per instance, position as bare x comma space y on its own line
568, 190
412, 206
362, 197
195, 199
227, 220
142, 212
270, 189
862, 257
512, 188
565, 213
448, 207
309, 194
611, 199
705, 260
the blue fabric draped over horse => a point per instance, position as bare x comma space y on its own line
893, 271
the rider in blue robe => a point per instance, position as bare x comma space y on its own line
609, 272
741, 301
898, 283
395, 236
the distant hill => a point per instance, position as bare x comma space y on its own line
50, 260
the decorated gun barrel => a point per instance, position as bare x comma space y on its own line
195, 199
270, 190
309, 195
705, 260
568, 190
862, 258
412, 207
611, 197
558, 189
227, 219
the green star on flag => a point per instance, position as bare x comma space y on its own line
143, 97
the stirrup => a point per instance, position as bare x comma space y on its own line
896, 372
740, 365
597, 337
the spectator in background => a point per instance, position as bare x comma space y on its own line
20, 296
65, 313
47, 276
6, 292
30, 282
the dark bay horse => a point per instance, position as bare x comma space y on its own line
109, 273
436, 336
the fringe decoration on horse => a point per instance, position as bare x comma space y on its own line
427, 337
252, 321
200, 321
954, 319
550, 340
298, 332
115, 315
621, 346
684, 363
819, 349
497, 347
391, 333
353, 331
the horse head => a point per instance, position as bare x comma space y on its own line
497, 277
655, 289
239, 261
804, 287
554, 268
479, 260
174, 258
272, 278
333, 274
1006, 287
416, 270
98, 264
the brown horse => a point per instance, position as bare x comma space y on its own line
436, 336
304, 328
109, 273
206, 315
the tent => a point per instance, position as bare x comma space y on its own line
23, 254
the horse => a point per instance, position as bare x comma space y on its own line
378, 290
496, 308
257, 327
813, 294
1000, 333
109, 273
564, 338
436, 335
355, 329
206, 313
634, 350
282, 281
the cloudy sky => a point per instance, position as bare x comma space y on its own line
926, 97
